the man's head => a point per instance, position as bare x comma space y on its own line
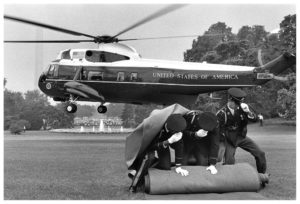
175, 123
207, 121
236, 96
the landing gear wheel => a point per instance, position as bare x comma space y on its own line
71, 108
102, 109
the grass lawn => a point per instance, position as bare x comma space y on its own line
44, 166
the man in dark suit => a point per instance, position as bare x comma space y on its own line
170, 136
201, 139
233, 119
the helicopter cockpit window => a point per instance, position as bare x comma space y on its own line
67, 72
52, 72
121, 76
100, 56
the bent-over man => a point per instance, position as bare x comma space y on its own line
170, 136
201, 139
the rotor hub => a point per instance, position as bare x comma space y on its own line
105, 39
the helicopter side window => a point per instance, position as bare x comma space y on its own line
133, 76
94, 75
113, 57
66, 54
121, 76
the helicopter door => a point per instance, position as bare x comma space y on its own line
83, 74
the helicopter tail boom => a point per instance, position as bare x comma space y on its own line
280, 64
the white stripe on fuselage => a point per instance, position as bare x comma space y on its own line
151, 83
161, 64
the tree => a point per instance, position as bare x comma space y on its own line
287, 33
242, 49
85, 110
287, 100
8, 120
5, 82
15, 128
115, 109
32, 109
33, 113
211, 57
133, 115
65, 119
245, 33
128, 115
18, 126
13, 103
216, 34
287, 95
36, 97
259, 34
232, 49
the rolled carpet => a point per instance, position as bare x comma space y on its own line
241, 177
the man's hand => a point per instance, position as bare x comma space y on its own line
181, 171
212, 169
245, 107
175, 137
201, 133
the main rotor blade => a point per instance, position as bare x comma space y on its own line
168, 37
151, 17
154, 38
47, 26
47, 41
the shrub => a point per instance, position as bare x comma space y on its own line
16, 128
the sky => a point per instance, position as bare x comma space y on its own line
21, 60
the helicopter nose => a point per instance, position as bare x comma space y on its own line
42, 78
41, 82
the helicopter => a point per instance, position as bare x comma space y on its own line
115, 72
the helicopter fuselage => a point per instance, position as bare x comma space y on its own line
116, 73
146, 81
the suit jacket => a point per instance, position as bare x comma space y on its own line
233, 126
212, 139
161, 142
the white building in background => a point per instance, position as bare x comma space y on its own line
107, 121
